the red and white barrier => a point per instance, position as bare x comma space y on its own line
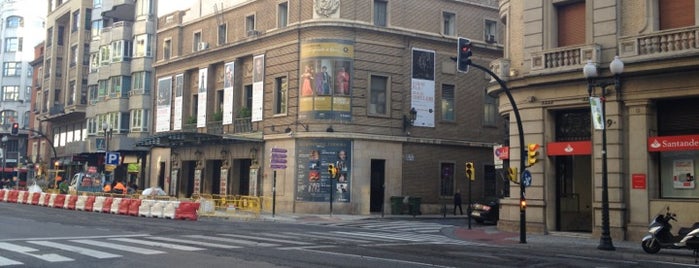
90, 202
145, 207
35, 198
124, 206
21, 197
3, 195
187, 211
156, 211
169, 209
80, 203
115, 205
107, 205
99, 202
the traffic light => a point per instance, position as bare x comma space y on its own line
532, 153
15, 129
332, 170
470, 172
512, 175
522, 204
464, 55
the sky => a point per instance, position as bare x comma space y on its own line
167, 6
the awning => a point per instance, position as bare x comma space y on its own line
184, 139
569, 148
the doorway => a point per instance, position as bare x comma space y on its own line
573, 194
244, 176
378, 181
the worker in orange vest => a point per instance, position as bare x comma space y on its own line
107, 187
120, 188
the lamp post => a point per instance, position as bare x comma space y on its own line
408, 120
4, 154
616, 67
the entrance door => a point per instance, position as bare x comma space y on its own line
244, 176
378, 173
573, 194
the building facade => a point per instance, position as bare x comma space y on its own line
96, 84
264, 97
20, 32
650, 131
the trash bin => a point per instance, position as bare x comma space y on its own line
396, 205
414, 205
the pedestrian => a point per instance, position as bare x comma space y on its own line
457, 202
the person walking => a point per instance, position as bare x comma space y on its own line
457, 202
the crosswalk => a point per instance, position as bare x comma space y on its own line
393, 225
58, 250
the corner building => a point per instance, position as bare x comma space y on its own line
261, 97
651, 131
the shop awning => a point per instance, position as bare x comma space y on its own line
184, 139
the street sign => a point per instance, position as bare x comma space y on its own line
526, 178
112, 158
278, 158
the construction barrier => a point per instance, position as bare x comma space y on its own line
145, 207
123, 208
21, 196
187, 211
35, 198
71, 201
107, 204
90, 202
80, 203
43, 199
115, 205
3, 195
134, 207
51, 198
99, 202
59, 201
156, 210
169, 209
12, 196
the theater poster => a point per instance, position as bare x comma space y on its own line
325, 84
201, 98
179, 87
422, 87
163, 104
228, 82
313, 181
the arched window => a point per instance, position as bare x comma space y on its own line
8, 117
15, 21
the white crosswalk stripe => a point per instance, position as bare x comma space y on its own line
7, 262
157, 244
132, 249
79, 250
268, 239
198, 243
397, 226
28, 251
234, 241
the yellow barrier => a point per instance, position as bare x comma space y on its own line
226, 206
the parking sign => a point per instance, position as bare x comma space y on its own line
112, 158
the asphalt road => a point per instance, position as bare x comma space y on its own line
35, 236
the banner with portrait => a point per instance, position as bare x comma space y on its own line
258, 81
314, 183
422, 87
228, 82
179, 87
325, 84
201, 97
163, 104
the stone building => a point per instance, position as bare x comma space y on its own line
649, 120
262, 97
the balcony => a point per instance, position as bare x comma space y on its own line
501, 67
564, 59
666, 44
242, 125
56, 109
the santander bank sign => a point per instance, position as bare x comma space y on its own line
673, 143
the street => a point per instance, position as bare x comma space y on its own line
35, 236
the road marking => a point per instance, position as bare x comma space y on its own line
267, 239
69, 237
8, 262
230, 240
335, 238
27, 251
133, 249
307, 247
368, 239
198, 243
364, 257
595, 259
79, 250
157, 244
379, 235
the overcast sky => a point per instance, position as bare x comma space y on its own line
167, 6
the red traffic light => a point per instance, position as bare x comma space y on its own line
15, 129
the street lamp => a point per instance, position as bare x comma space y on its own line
4, 154
616, 67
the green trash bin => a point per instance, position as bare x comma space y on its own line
414, 205
396, 205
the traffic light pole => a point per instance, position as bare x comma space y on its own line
523, 153
47, 140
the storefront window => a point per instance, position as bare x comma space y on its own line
677, 174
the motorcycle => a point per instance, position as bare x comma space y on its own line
661, 236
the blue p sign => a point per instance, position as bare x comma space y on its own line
112, 158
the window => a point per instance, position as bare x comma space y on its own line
250, 24
222, 34
97, 28
142, 46
57, 95
75, 23
571, 24
59, 67
47, 72
378, 93
73, 55
139, 120
380, 12
166, 49
446, 187
97, 3
676, 14
92, 93
121, 50
115, 89
489, 30
13, 44
448, 102
141, 81
86, 54
11, 68
490, 112
83, 92
282, 15
88, 19
7, 116
61, 30
449, 23
10, 93
280, 93
71, 93
102, 91
94, 62
49, 37
15, 22
196, 40
144, 7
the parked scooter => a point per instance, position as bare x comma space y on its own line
661, 236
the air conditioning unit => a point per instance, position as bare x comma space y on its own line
490, 38
203, 45
253, 32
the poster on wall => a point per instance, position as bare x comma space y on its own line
258, 82
325, 84
313, 182
228, 82
201, 98
683, 174
163, 104
173, 182
422, 87
179, 87
223, 185
197, 181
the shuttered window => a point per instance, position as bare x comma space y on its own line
678, 117
676, 13
571, 24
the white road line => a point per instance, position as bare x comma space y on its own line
198, 243
267, 239
74, 249
28, 251
69, 237
279, 235
364, 257
157, 244
336, 238
8, 262
380, 235
370, 239
235, 241
595, 259
307, 247
132, 249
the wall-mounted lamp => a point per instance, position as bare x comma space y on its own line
408, 120
224, 153
330, 129
297, 123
